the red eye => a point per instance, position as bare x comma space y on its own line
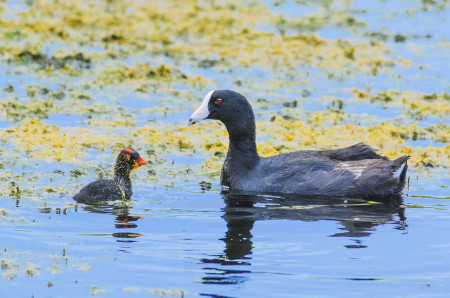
219, 100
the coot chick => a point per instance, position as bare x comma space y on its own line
356, 171
118, 188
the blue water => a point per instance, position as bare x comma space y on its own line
231, 246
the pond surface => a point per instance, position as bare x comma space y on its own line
199, 242
81, 81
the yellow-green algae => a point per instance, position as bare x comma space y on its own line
101, 49
418, 105
159, 292
67, 145
16, 263
182, 29
51, 143
97, 291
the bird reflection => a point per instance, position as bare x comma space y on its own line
358, 218
123, 219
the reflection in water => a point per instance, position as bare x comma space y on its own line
358, 218
123, 219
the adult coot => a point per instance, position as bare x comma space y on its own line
119, 187
353, 171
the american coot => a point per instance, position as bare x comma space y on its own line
119, 188
352, 171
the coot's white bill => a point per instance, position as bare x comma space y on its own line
202, 112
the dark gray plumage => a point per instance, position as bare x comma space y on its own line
118, 188
353, 171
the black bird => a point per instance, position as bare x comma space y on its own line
118, 188
356, 171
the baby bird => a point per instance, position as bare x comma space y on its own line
118, 188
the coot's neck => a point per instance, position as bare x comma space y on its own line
122, 175
242, 148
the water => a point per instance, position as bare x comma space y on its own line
222, 245
180, 235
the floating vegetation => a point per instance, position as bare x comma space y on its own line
140, 72
89, 78
417, 106
76, 61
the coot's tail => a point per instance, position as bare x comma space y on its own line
399, 168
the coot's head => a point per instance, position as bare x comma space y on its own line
228, 106
130, 159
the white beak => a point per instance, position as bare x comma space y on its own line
202, 112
